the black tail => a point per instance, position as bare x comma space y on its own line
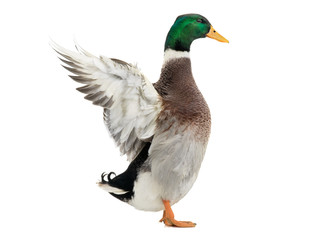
125, 181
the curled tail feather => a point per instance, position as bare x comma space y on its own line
105, 185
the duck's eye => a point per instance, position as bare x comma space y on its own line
200, 20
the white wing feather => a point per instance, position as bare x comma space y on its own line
131, 103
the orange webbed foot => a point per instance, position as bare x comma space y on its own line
169, 220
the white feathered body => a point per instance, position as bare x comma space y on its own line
174, 164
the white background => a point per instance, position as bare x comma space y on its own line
259, 179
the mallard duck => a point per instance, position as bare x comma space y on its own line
162, 128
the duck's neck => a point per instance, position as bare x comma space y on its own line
171, 54
176, 75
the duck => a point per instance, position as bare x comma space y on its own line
163, 128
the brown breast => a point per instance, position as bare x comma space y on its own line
182, 100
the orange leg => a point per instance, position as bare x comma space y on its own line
164, 219
169, 220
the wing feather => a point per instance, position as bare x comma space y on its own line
131, 103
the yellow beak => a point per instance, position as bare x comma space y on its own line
215, 35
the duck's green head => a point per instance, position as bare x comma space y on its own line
186, 29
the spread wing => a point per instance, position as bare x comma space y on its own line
131, 103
